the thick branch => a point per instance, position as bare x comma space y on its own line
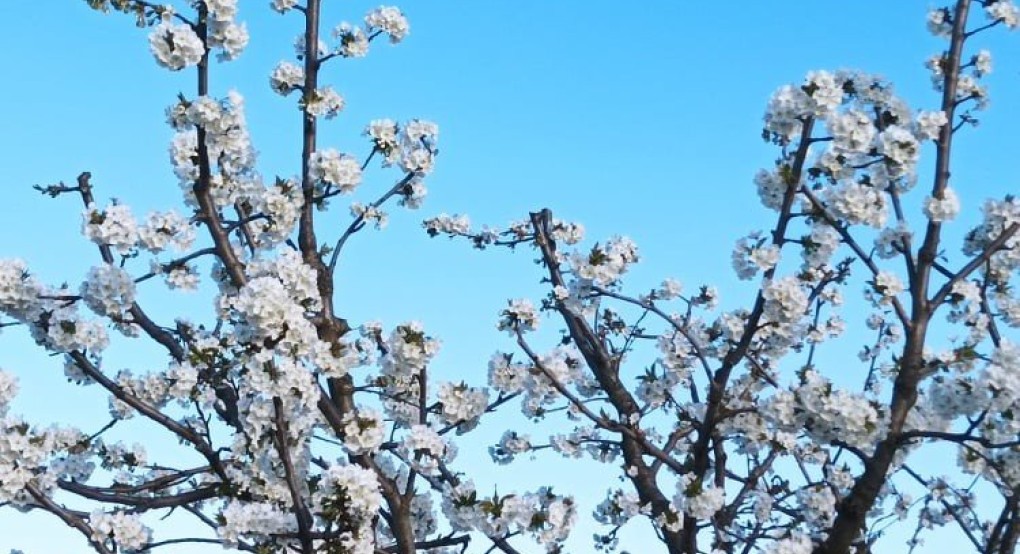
853, 509
67, 517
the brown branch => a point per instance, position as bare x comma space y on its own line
304, 517
975, 263
177, 262
651, 307
949, 508
141, 502
848, 239
359, 221
175, 478
463, 541
67, 517
139, 317
852, 511
208, 213
959, 438
606, 371
716, 393
184, 433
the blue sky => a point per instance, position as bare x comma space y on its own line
641, 119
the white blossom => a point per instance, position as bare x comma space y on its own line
286, 77
888, 285
323, 102
389, 20
519, 316
930, 124
353, 41
364, 431
230, 37
112, 226
982, 62
1005, 11
166, 229
462, 403
447, 224
333, 168
8, 390
176, 46
283, 5
108, 290
125, 529
940, 210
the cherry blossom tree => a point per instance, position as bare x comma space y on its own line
309, 433
736, 438
278, 367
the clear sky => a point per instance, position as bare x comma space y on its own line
639, 118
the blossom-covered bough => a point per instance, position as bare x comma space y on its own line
307, 433
308, 436
742, 435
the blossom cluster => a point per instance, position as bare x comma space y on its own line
178, 45
546, 516
343, 438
